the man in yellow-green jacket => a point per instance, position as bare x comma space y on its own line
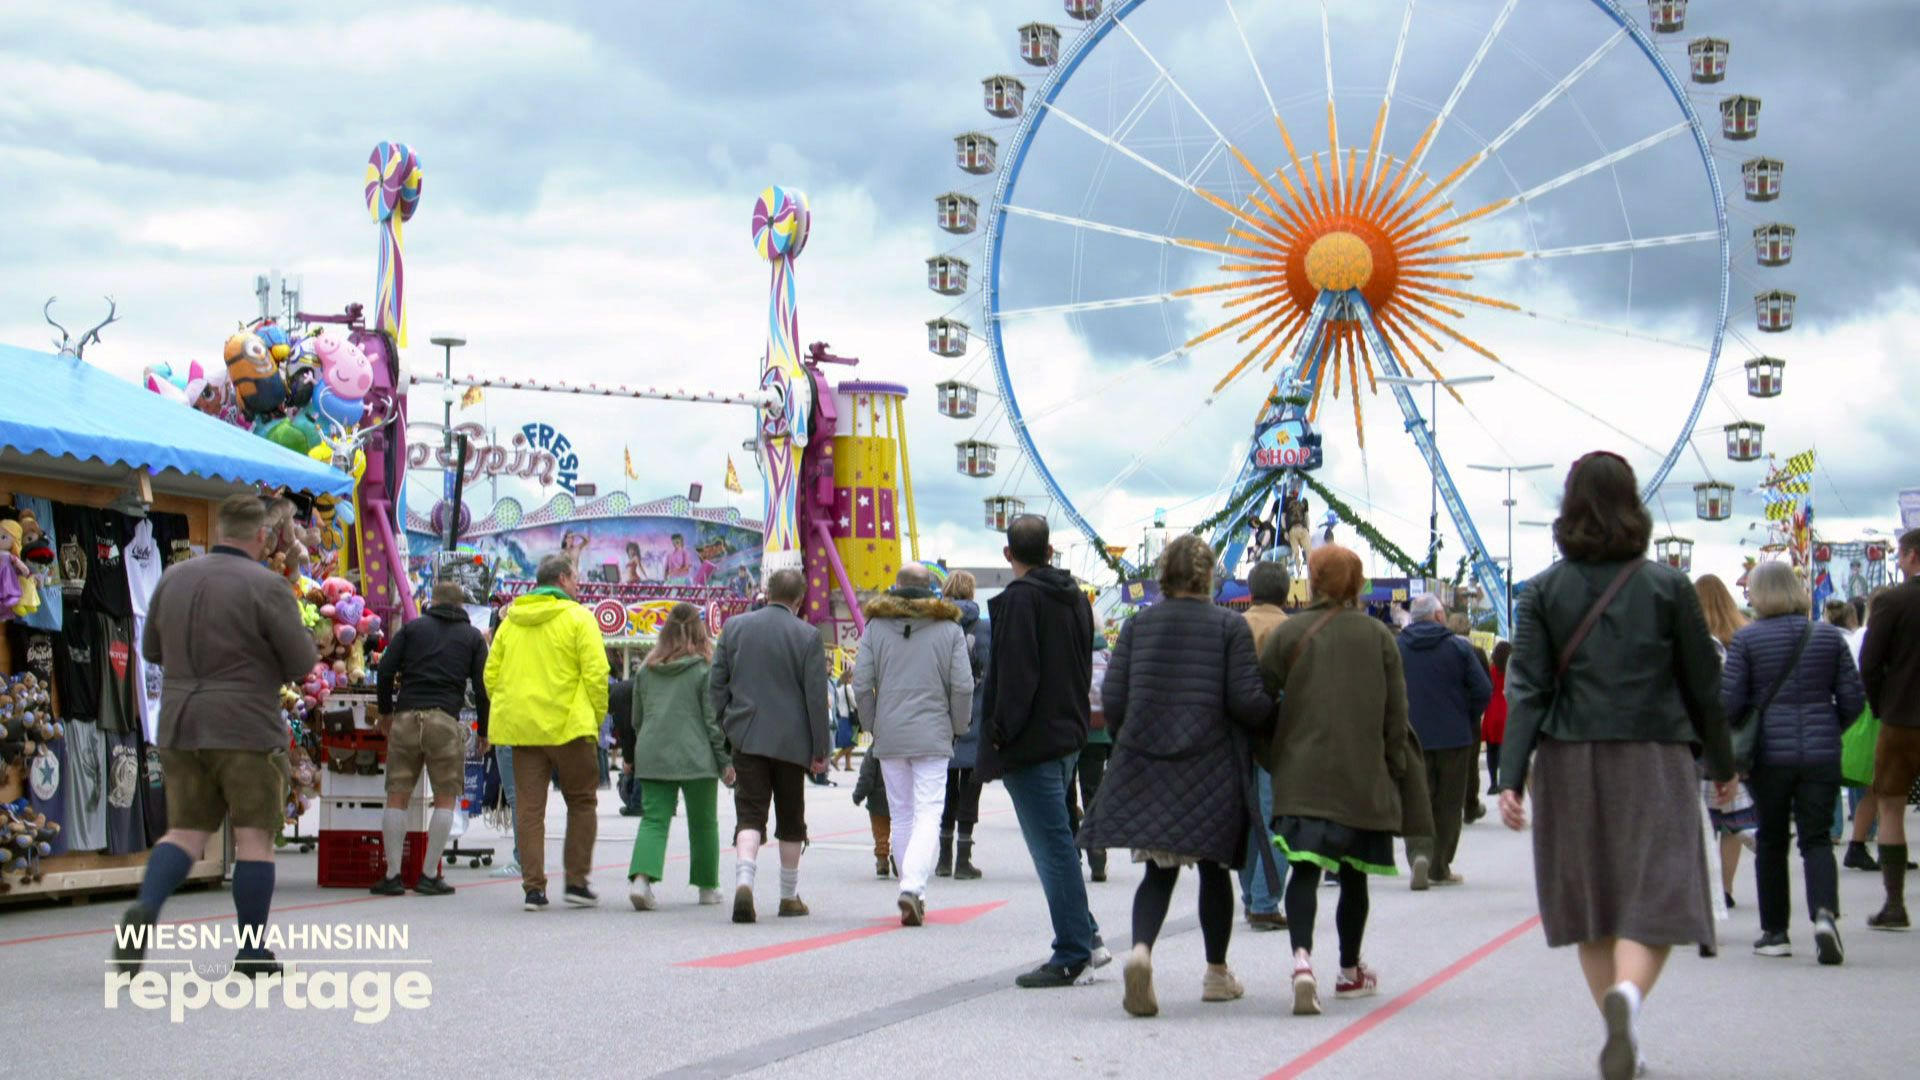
547, 682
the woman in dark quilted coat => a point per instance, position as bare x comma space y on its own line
1182, 694
1795, 777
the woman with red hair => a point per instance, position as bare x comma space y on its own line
1338, 758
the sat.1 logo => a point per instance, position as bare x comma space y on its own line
1288, 444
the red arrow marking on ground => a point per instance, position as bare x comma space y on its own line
746, 957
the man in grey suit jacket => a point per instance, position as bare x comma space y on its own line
769, 686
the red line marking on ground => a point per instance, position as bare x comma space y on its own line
746, 957
354, 900
1350, 1034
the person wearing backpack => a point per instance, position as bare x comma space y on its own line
1612, 689
1794, 682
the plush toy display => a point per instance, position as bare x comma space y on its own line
26, 718
255, 374
26, 837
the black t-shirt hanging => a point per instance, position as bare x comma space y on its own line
68, 523
126, 819
104, 535
33, 650
118, 711
77, 660
170, 534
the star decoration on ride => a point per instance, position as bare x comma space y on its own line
1374, 225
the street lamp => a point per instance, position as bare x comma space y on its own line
1508, 503
1553, 549
448, 395
1433, 436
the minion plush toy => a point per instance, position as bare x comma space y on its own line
255, 374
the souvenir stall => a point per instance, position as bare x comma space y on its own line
102, 485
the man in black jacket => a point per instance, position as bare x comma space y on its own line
1035, 715
1890, 667
436, 658
620, 710
1447, 691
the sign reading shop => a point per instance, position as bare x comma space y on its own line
538, 452
1289, 443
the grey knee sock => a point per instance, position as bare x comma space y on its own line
437, 829
393, 834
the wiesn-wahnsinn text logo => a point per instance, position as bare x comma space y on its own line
371, 987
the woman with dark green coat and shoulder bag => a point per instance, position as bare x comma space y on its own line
678, 750
1612, 690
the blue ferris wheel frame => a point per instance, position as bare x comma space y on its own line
1057, 77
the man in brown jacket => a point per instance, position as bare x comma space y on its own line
1267, 586
227, 635
1890, 667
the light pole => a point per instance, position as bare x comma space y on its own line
1508, 503
1553, 549
448, 393
1433, 436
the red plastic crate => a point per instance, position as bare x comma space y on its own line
354, 859
356, 740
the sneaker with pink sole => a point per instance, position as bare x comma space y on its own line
1306, 990
1358, 983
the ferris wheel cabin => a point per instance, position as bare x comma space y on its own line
975, 152
1773, 310
1084, 10
1667, 16
1740, 116
947, 337
1713, 501
1675, 551
1005, 95
1773, 244
976, 458
957, 400
1761, 178
1766, 376
957, 213
1744, 440
947, 275
1001, 510
1040, 44
1708, 58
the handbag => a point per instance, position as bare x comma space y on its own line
1746, 734
1856, 750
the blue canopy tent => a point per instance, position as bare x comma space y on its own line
62, 417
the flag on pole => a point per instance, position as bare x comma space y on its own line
471, 398
733, 478
1782, 510
1798, 465
631, 475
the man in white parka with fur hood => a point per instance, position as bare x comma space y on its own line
913, 687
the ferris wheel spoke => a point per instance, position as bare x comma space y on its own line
1466, 77
1140, 460
1546, 99
1111, 382
1622, 245
1494, 209
1099, 226
1377, 175
1333, 122
1086, 305
1604, 328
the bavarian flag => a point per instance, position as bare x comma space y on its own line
733, 478
1798, 465
1782, 510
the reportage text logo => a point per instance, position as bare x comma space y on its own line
336, 967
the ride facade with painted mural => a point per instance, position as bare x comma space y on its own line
1461, 238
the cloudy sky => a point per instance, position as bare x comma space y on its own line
591, 168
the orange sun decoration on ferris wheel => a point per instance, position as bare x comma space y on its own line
1366, 226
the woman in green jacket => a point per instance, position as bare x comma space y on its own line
678, 750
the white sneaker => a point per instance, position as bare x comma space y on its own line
510, 870
1620, 1057
640, 894
710, 897
1101, 955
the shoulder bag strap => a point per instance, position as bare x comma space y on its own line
1318, 624
1793, 662
1592, 618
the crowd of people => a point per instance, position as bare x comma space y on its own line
1292, 748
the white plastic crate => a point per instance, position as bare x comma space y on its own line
353, 785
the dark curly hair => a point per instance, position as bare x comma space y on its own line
1186, 567
1601, 516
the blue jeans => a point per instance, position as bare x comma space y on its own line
1254, 895
504, 755
1040, 803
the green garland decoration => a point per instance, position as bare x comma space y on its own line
1387, 548
1240, 501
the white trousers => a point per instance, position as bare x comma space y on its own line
917, 796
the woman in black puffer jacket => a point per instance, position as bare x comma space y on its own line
1795, 774
1182, 693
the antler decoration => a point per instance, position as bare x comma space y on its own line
76, 349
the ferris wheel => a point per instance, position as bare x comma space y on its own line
1206, 222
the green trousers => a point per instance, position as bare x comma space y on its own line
658, 801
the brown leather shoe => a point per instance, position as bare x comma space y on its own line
793, 909
1266, 921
